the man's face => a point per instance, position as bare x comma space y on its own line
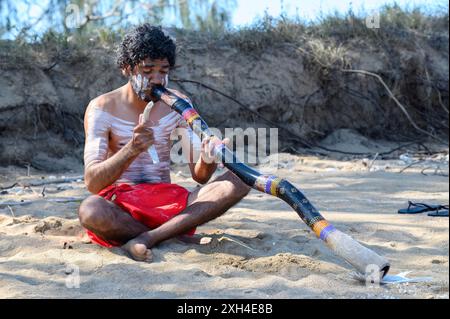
147, 74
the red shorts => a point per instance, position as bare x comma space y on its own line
150, 204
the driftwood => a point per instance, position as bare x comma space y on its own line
411, 165
372, 162
47, 200
44, 182
436, 170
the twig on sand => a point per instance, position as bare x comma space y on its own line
373, 161
40, 183
7, 204
439, 169
12, 212
435, 171
423, 171
32, 190
236, 241
443, 174
10, 186
369, 154
427, 150
65, 199
410, 165
51, 200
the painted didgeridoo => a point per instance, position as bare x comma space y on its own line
363, 259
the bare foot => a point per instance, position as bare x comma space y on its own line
137, 249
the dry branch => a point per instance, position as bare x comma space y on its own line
40, 200
46, 182
402, 108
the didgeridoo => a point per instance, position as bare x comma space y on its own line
360, 257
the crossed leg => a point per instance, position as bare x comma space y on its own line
110, 222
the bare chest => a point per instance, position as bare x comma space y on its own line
126, 119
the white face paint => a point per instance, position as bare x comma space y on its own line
166, 81
140, 85
145, 84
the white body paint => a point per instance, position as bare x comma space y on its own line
107, 134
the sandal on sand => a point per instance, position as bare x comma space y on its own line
439, 213
417, 208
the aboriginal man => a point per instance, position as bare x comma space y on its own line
134, 204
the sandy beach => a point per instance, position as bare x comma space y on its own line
260, 247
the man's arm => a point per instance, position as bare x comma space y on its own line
202, 171
201, 164
102, 174
206, 165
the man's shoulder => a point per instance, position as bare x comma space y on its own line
105, 102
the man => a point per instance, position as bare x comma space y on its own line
135, 206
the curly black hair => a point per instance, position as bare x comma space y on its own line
145, 41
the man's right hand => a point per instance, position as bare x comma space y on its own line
143, 138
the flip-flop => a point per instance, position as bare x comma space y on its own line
417, 208
438, 213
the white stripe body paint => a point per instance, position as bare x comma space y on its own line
107, 134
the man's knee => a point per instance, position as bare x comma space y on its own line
236, 188
91, 211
